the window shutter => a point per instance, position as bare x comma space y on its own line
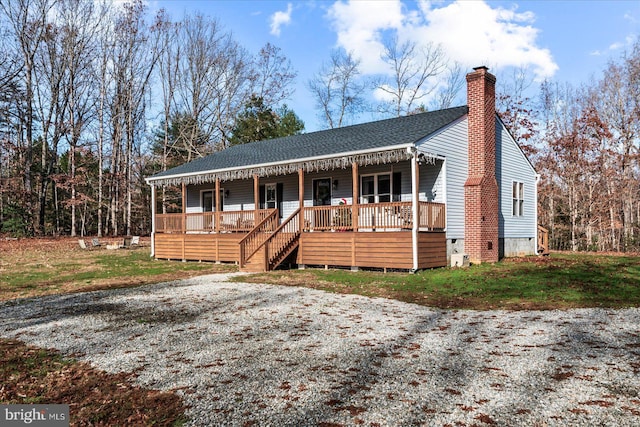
279, 198
262, 197
397, 187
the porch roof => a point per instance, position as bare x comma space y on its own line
375, 142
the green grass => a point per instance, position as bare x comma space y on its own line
559, 281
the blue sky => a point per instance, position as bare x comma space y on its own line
565, 41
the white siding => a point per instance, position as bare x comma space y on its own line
451, 143
512, 165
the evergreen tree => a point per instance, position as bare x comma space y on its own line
258, 122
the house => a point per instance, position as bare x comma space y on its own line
403, 193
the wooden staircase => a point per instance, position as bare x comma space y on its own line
266, 247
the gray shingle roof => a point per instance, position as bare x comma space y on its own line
366, 136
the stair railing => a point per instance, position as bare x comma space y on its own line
257, 236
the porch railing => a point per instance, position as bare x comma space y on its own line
209, 222
277, 245
258, 235
391, 216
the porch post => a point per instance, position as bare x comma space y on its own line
153, 220
356, 191
256, 194
216, 214
184, 208
301, 195
415, 198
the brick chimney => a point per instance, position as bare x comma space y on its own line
481, 188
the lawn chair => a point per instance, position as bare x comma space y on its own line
95, 243
126, 243
82, 244
135, 241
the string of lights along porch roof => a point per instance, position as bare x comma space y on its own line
341, 162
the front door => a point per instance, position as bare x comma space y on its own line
322, 192
322, 197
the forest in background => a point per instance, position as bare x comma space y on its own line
94, 98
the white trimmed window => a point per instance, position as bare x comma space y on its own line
375, 188
518, 199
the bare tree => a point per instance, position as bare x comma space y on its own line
213, 82
273, 76
413, 75
618, 103
338, 89
450, 87
27, 20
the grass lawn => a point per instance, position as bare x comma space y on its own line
35, 267
559, 281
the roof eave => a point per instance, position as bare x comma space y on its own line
159, 180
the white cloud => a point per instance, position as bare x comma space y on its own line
615, 46
629, 17
470, 32
280, 18
359, 26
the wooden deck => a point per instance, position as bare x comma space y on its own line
224, 247
379, 237
375, 249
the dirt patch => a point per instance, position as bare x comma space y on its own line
95, 398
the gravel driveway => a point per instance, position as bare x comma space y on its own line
244, 354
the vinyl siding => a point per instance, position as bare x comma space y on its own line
512, 165
451, 143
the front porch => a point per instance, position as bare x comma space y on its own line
376, 235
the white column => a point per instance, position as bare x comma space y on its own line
415, 208
153, 220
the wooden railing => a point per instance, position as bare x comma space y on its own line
257, 236
280, 241
432, 216
169, 223
207, 222
390, 216
325, 218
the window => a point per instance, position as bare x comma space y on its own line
518, 199
209, 201
375, 188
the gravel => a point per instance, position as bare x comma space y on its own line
243, 354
